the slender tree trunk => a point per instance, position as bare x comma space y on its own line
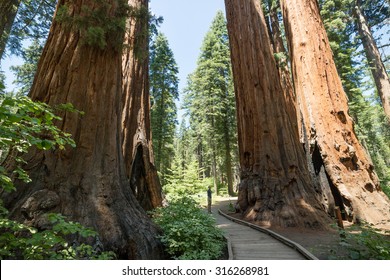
329, 128
227, 124
137, 144
378, 70
275, 186
199, 149
228, 159
88, 184
8, 11
159, 139
214, 170
161, 143
213, 151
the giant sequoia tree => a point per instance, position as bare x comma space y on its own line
280, 54
136, 133
371, 124
275, 186
97, 183
328, 126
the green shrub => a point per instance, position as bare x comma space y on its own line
366, 243
24, 124
189, 232
185, 182
18, 241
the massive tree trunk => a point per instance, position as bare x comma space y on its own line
8, 11
88, 184
282, 63
378, 70
333, 143
293, 104
275, 184
137, 144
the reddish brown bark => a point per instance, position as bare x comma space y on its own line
87, 184
319, 178
329, 128
136, 142
282, 64
275, 186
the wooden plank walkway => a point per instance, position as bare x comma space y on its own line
250, 244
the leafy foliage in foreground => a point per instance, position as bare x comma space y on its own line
189, 232
18, 241
365, 243
24, 124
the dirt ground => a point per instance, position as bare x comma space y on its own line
323, 244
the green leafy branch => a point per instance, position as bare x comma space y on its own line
363, 242
99, 24
18, 241
24, 124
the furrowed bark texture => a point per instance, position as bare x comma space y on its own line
136, 142
87, 184
378, 69
319, 178
329, 128
275, 187
284, 72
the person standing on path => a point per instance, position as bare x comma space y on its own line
209, 192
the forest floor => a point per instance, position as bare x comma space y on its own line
323, 244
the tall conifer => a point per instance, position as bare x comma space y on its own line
164, 91
210, 103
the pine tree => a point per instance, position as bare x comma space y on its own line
164, 92
25, 72
210, 103
378, 70
8, 10
24, 20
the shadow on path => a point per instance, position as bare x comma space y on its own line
250, 244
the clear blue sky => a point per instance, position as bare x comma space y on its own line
186, 22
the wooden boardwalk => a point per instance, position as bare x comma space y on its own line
251, 244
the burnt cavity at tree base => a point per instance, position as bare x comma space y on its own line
327, 188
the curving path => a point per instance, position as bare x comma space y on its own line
249, 242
